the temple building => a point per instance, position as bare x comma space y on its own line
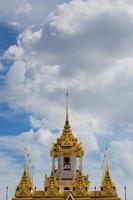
67, 180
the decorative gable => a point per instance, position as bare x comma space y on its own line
23, 192
108, 188
52, 192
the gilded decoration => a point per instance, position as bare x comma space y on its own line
67, 180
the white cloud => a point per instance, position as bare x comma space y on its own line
122, 162
27, 12
119, 150
83, 47
73, 17
44, 65
9, 172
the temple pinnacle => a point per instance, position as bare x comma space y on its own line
105, 163
67, 107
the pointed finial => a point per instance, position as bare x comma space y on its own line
107, 158
32, 172
25, 164
105, 162
26, 160
67, 106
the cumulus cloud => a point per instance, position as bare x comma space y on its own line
82, 46
22, 14
48, 61
122, 160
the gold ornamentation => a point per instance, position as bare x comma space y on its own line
71, 186
25, 187
81, 185
51, 186
108, 188
67, 143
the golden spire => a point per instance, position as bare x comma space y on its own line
67, 140
105, 163
107, 186
26, 184
67, 118
26, 164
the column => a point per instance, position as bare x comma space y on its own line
53, 163
80, 166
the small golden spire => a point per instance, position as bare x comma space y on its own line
105, 163
25, 181
107, 185
67, 106
26, 165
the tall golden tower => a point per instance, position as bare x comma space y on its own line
67, 180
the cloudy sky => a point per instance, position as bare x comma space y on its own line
49, 47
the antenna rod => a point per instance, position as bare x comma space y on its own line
32, 172
67, 106
35, 192
125, 189
95, 191
7, 193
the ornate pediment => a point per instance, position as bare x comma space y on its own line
81, 184
23, 192
52, 192
51, 186
108, 192
80, 192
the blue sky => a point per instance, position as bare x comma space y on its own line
47, 48
8, 36
11, 122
